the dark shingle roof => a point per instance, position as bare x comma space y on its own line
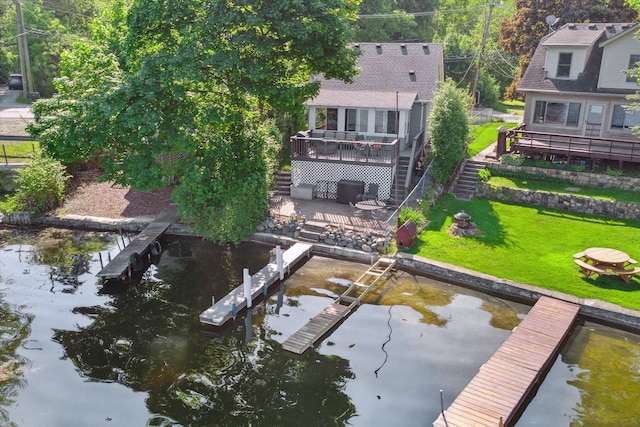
395, 67
594, 35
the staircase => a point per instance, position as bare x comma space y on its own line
465, 187
283, 183
399, 180
311, 231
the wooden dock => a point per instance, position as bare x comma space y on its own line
503, 384
350, 299
223, 310
121, 265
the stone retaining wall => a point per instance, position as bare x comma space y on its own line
586, 179
568, 202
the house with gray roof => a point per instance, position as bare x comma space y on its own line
372, 130
577, 84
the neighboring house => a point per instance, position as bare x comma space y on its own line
360, 131
576, 82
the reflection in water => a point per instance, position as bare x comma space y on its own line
139, 356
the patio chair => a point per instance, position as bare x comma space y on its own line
371, 193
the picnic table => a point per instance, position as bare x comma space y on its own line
606, 261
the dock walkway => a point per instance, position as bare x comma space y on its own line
343, 305
503, 384
223, 310
121, 265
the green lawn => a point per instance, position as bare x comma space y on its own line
17, 152
485, 135
532, 245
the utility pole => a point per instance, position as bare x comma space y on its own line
484, 41
23, 49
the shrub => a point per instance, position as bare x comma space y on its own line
418, 217
40, 185
512, 159
484, 174
613, 172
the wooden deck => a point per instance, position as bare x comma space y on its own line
524, 141
502, 385
223, 310
347, 302
120, 266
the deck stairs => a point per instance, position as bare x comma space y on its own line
342, 306
465, 187
398, 191
283, 183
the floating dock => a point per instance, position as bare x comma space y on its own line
502, 385
223, 310
121, 266
350, 299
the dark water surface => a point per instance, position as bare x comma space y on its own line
75, 355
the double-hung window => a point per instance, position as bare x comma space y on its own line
564, 65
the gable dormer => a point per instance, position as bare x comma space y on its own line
621, 51
568, 49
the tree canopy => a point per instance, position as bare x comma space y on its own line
186, 93
449, 129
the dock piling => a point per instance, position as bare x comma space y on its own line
247, 286
279, 262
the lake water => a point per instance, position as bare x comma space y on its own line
75, 353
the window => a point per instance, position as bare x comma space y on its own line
633, 60
350, 120
356, 120
623, 119
327, 118
386, 122
564, 65
557, 113
363, 121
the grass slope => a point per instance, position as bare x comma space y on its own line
532, 245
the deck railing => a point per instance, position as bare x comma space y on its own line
336, 150
522, 140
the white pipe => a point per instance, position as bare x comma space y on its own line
279, 262
247, 286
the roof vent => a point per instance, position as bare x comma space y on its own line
571, 26
357, 45
412, 72
378, 45
624, 26
425, 49
592, 26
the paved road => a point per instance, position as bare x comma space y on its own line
9, 108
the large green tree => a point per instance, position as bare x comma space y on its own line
186, 93
449, 129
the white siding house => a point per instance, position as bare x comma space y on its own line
576, 82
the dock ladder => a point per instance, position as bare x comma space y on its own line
341, 307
